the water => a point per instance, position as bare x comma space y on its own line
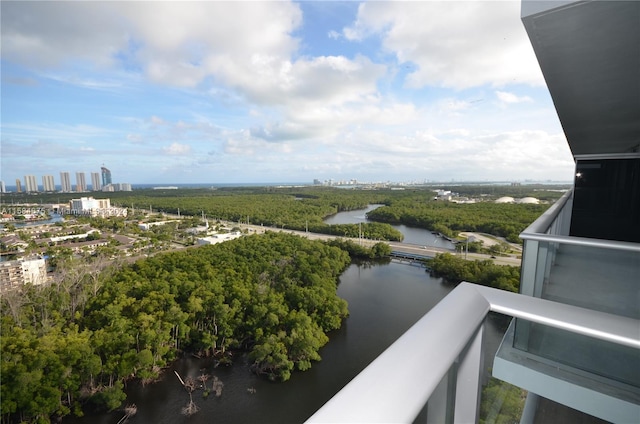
384, 301
21, 224
412, 235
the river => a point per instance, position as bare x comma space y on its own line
384, 301
412, 235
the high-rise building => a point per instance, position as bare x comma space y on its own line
106, 176
47, 183
122, 186
30, 183
95, 181
3, 188
81, 182
574, 344
18, 186
65, 182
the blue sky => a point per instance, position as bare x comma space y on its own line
233, 92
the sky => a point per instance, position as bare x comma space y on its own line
246, 92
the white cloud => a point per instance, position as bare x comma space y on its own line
231, 79
156, 120
453, 44
507, 97
177, 149
334, 35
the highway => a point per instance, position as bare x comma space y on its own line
398, 246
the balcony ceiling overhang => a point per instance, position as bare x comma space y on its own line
589, 53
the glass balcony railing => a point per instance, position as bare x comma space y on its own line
595, 274
435, 369
592, 273
578, 297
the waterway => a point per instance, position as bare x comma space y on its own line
384, 301
54, 217
412, 235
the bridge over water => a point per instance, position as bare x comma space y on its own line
413, 258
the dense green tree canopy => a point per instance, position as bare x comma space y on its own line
486, 273
504, 220
273, 295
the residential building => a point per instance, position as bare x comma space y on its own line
81, 182
106, 176
93, 207
218, 238
30, 184
95, 182
88, 203
574, 342
18, 186
85, 246
117, 187
17, 273
65, 182
122, 187
47, 183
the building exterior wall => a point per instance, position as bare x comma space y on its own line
95, 182
81, 182
93, 207
65, 182
106, 176
30, 183
47, 183
15, 274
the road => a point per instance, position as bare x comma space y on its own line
398, 246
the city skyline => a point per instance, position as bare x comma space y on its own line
219, 92
100, 181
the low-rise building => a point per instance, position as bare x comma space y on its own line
218, 238
85, 246
147, 225
17, 273
93, 207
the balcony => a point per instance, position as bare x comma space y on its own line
434, 369
575, 340
600, 275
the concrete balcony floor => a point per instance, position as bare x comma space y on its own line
606, 280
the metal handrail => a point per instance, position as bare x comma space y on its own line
583, 241
396, 385
544, 221
538, 231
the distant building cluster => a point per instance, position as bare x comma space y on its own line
84, 206
100, 181
331, 182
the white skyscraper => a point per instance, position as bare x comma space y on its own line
30, 183
95, 181
81, 182
3, 188
65, 182
47, 183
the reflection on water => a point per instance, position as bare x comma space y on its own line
412, 235
384, 301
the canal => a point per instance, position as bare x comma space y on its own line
385, 299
